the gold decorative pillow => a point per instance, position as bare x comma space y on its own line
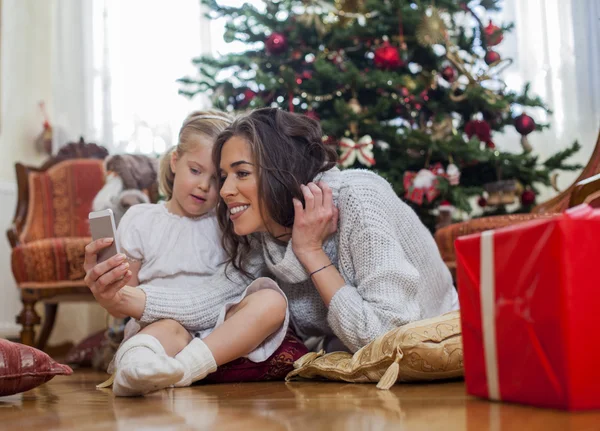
429, 349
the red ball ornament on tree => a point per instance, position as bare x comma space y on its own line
482, 130
329, 140
525, 125
312, 115
387, 57
527, 198
449, 74
482, 202
276, 44
493, 34
248, 95
491, 57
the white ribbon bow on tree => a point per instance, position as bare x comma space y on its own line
361, 150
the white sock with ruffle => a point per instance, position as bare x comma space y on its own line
143, 366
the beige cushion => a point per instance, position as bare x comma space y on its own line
429, 349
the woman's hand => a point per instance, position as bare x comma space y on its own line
315, 222
106, 279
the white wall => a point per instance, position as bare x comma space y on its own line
25, 79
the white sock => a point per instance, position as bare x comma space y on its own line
143, 366
197, 361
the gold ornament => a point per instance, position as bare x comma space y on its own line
442, 129
355, 106
501, 192
354, 129
313, 20
312, 17
474, 77
350, 10
409, 83
352, 6
519, 189
432, 29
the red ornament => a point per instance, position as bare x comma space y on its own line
387, 57
248, 95
449, 74
491, 57
313, 115
527, 198
307, 74
482, 202
482, 130
493, 34
329, 140
524, 124
276, 43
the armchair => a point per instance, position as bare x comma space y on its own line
50, 230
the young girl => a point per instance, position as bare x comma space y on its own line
177, 244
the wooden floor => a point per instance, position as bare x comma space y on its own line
73, 403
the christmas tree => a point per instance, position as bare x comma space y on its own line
409, 89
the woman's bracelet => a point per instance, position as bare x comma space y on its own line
320, 269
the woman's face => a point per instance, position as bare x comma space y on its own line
239, 187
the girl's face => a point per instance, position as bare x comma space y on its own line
239, 187
194, 186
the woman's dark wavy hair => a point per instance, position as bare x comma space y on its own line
288, 151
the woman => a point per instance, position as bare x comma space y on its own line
352, 258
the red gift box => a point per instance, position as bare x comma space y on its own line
530, 307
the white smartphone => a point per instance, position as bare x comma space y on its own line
102, 225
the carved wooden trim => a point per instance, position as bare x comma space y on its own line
586, 191
76, 150
561, 202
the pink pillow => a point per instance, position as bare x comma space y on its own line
275, 368
23, 368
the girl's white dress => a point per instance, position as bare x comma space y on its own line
185, 252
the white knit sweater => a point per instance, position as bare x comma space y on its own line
393, 271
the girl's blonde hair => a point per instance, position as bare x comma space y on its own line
207, 124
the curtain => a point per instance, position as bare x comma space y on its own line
115, 68
556, 47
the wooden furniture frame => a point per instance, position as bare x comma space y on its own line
52, 295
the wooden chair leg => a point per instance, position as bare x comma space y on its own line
49, 319
28, 319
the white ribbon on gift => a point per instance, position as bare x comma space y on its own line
488, 313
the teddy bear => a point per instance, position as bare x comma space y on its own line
131, 179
